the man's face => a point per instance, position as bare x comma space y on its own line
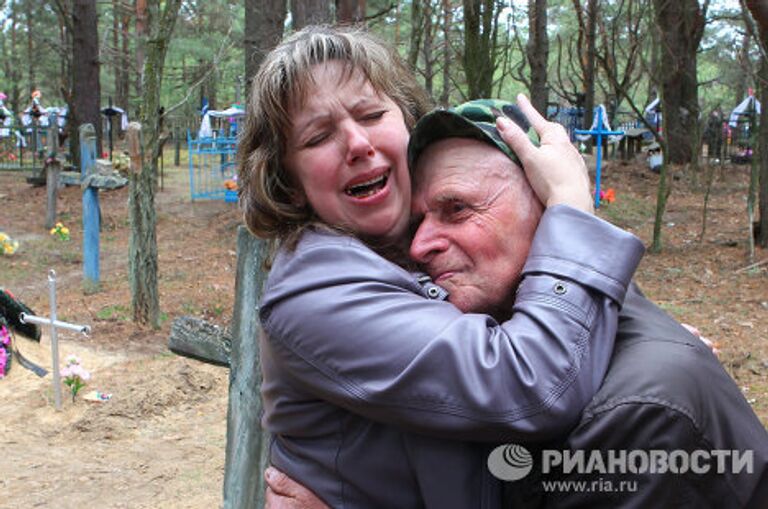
476, 217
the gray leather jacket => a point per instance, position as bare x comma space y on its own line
357, 350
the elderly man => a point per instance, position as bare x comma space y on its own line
665, 401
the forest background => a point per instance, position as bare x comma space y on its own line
582, 52
162, 61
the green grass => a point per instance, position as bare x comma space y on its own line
114, 312
628, 211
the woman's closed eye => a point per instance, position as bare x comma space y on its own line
375, 115
317, 139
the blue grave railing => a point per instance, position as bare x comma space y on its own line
211, 164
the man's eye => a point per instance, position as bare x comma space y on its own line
456, 210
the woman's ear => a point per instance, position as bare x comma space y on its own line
298, 198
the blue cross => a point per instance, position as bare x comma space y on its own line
599, 132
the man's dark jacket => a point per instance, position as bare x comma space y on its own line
665, 390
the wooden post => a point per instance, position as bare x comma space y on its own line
91, 216
177, 143
52, 167
246, 450
51, 189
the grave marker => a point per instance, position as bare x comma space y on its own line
54, 325
91, 215
598, 132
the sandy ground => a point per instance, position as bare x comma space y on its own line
159, 442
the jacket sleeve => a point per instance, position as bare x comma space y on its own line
355, 330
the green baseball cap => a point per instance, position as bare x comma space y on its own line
474, 119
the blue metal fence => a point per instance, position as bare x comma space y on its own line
211, 164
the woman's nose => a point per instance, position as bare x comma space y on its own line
358, 143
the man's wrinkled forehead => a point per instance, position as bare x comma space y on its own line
471, 160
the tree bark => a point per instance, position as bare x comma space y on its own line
350, 11
759, 11
588, 63
142, 250
310, 12
429, 72
124, 95
417, 31
31, 63
263, 30
86, 88
13, 73
762, 148
120, 58
479, 47
537, 51
141, 22
682, 26
445, 96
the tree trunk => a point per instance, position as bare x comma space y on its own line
682, 26
120, 53
86, 89
31, 62
350, 11
589, 63
445, 96
11, 63
759, 12
141, 28
479, 47
124, 90
142, 249
429, 72
310, 12
762, 148
13, 73
744, 63
537, 51
417, 30
263, 30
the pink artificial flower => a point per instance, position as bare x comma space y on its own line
5, 335
3, 362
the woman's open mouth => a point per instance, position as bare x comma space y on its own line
368, 187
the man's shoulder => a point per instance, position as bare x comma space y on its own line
670, 371
668, 379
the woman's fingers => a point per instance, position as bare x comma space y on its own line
555, 169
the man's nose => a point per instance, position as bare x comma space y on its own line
358, 142
427, 242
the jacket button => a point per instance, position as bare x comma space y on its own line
560, 288
433, 292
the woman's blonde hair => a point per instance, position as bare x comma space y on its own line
266, 190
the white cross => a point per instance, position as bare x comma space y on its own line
54, 324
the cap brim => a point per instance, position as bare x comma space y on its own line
438, 125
